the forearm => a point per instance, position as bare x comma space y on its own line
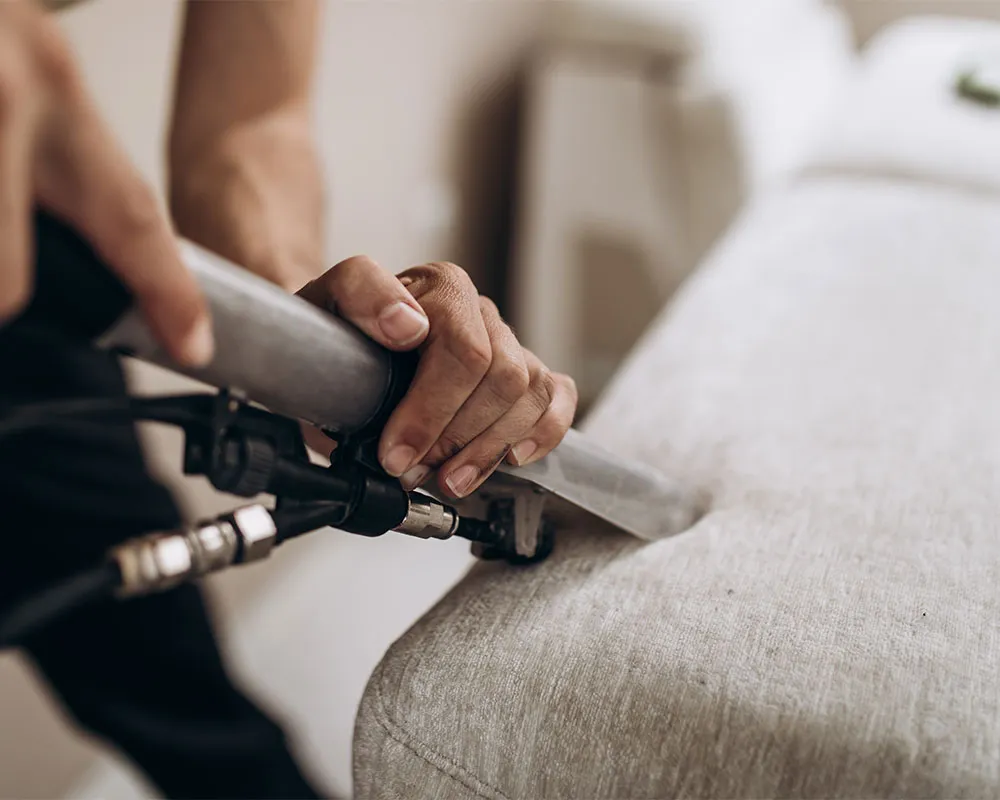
257, 200
244, 174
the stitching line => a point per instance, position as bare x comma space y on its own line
442, 763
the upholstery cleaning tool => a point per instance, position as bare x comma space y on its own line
278, 361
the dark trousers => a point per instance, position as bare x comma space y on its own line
144, 675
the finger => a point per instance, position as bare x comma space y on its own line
456, 356
88, 181
466, 471
551, 428
505, 382
373, 299
18, 118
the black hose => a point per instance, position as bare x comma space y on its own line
21, 419
178, 410
307, 517
42, 608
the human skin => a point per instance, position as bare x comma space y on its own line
244, 181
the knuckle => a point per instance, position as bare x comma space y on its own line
474, 354
549, 432
357, 284
351, 271
454, 276
341, 278
450, 270
448, 281
543, 386
488, 307
571, 387
508, 379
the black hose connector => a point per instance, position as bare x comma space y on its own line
381, 504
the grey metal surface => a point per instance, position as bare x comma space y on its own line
629, 495
428, 518
153, 563
257, 530
281, 351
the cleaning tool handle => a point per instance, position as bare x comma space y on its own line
277, 349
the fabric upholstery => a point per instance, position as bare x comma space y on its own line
829, 628
902, 117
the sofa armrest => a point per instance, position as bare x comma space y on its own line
647, 127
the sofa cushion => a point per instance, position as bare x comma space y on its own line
901, 116
830, 627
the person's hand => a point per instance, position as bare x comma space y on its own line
55, 152
478, 396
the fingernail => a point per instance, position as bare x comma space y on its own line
402, 323
415, 477
398, 459
523, 451
198, 347
461, 480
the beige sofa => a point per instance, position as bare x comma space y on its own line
648, 125
831, 626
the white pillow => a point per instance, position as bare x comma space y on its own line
903, 118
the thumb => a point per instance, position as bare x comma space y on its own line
373, 299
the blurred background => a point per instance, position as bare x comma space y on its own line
579, 159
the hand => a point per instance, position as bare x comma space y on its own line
56, 152
478, 396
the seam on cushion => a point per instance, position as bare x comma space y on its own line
896, 176
440, 762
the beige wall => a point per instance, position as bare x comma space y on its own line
414, 111
870, 16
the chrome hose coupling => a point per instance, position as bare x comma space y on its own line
428, 518
161, 561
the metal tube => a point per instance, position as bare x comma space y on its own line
303, 362
281, 351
